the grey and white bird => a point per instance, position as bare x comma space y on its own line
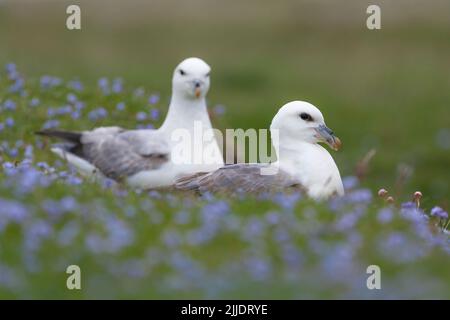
143, 158
301, 161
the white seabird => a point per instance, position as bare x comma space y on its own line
301, 163
143, 158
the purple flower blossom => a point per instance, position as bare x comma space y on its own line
117, 85
219, 110
73, 180
439, 212
10, 67
9, 105
359, 196
48, 82
287, 201
34, 102
273, 217
350, 182
108, 183
141, 116
75, 85
120, 106
13, 153
79, 105
410, 211
154, 114
215, 209
258, 268
385, 215
36, 232
64, 110
75, 115
68, 233
50, 124
28, 152
347, 221
171, 238
103, 84
182, 217
98, 114
9, 122
409, 205
119, 235
153, 99
71, 98
68, 204
17, 86
51, 112
13, 210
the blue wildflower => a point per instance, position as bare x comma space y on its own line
72, 98
153, 99
385, 215
154, 114
141, 116
97, 114
75, 115
75, 85
350, 182
359, 196
439, 212
34, 102
287, 201
9, 122
117, 85
17, 86
103, 84
120, 106
10, 67
13, 153
28, 152
9, 105
219, 109
79, 105
50, 124
68, 204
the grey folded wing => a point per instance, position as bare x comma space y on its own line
238, 178
119, 153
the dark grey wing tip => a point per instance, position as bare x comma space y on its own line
64, 135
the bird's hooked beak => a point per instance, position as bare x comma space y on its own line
326, 135
198, 88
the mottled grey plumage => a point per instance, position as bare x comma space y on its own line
238, 178
115, 152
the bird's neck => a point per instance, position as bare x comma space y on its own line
191, 115
296, 156
313, 167
183, 112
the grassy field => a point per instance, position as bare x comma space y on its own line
386, 90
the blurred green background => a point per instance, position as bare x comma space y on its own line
387, 89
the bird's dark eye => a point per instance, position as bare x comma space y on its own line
306, 116
207, 75
182, 72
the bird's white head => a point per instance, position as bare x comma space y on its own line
301, 121
191, 79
